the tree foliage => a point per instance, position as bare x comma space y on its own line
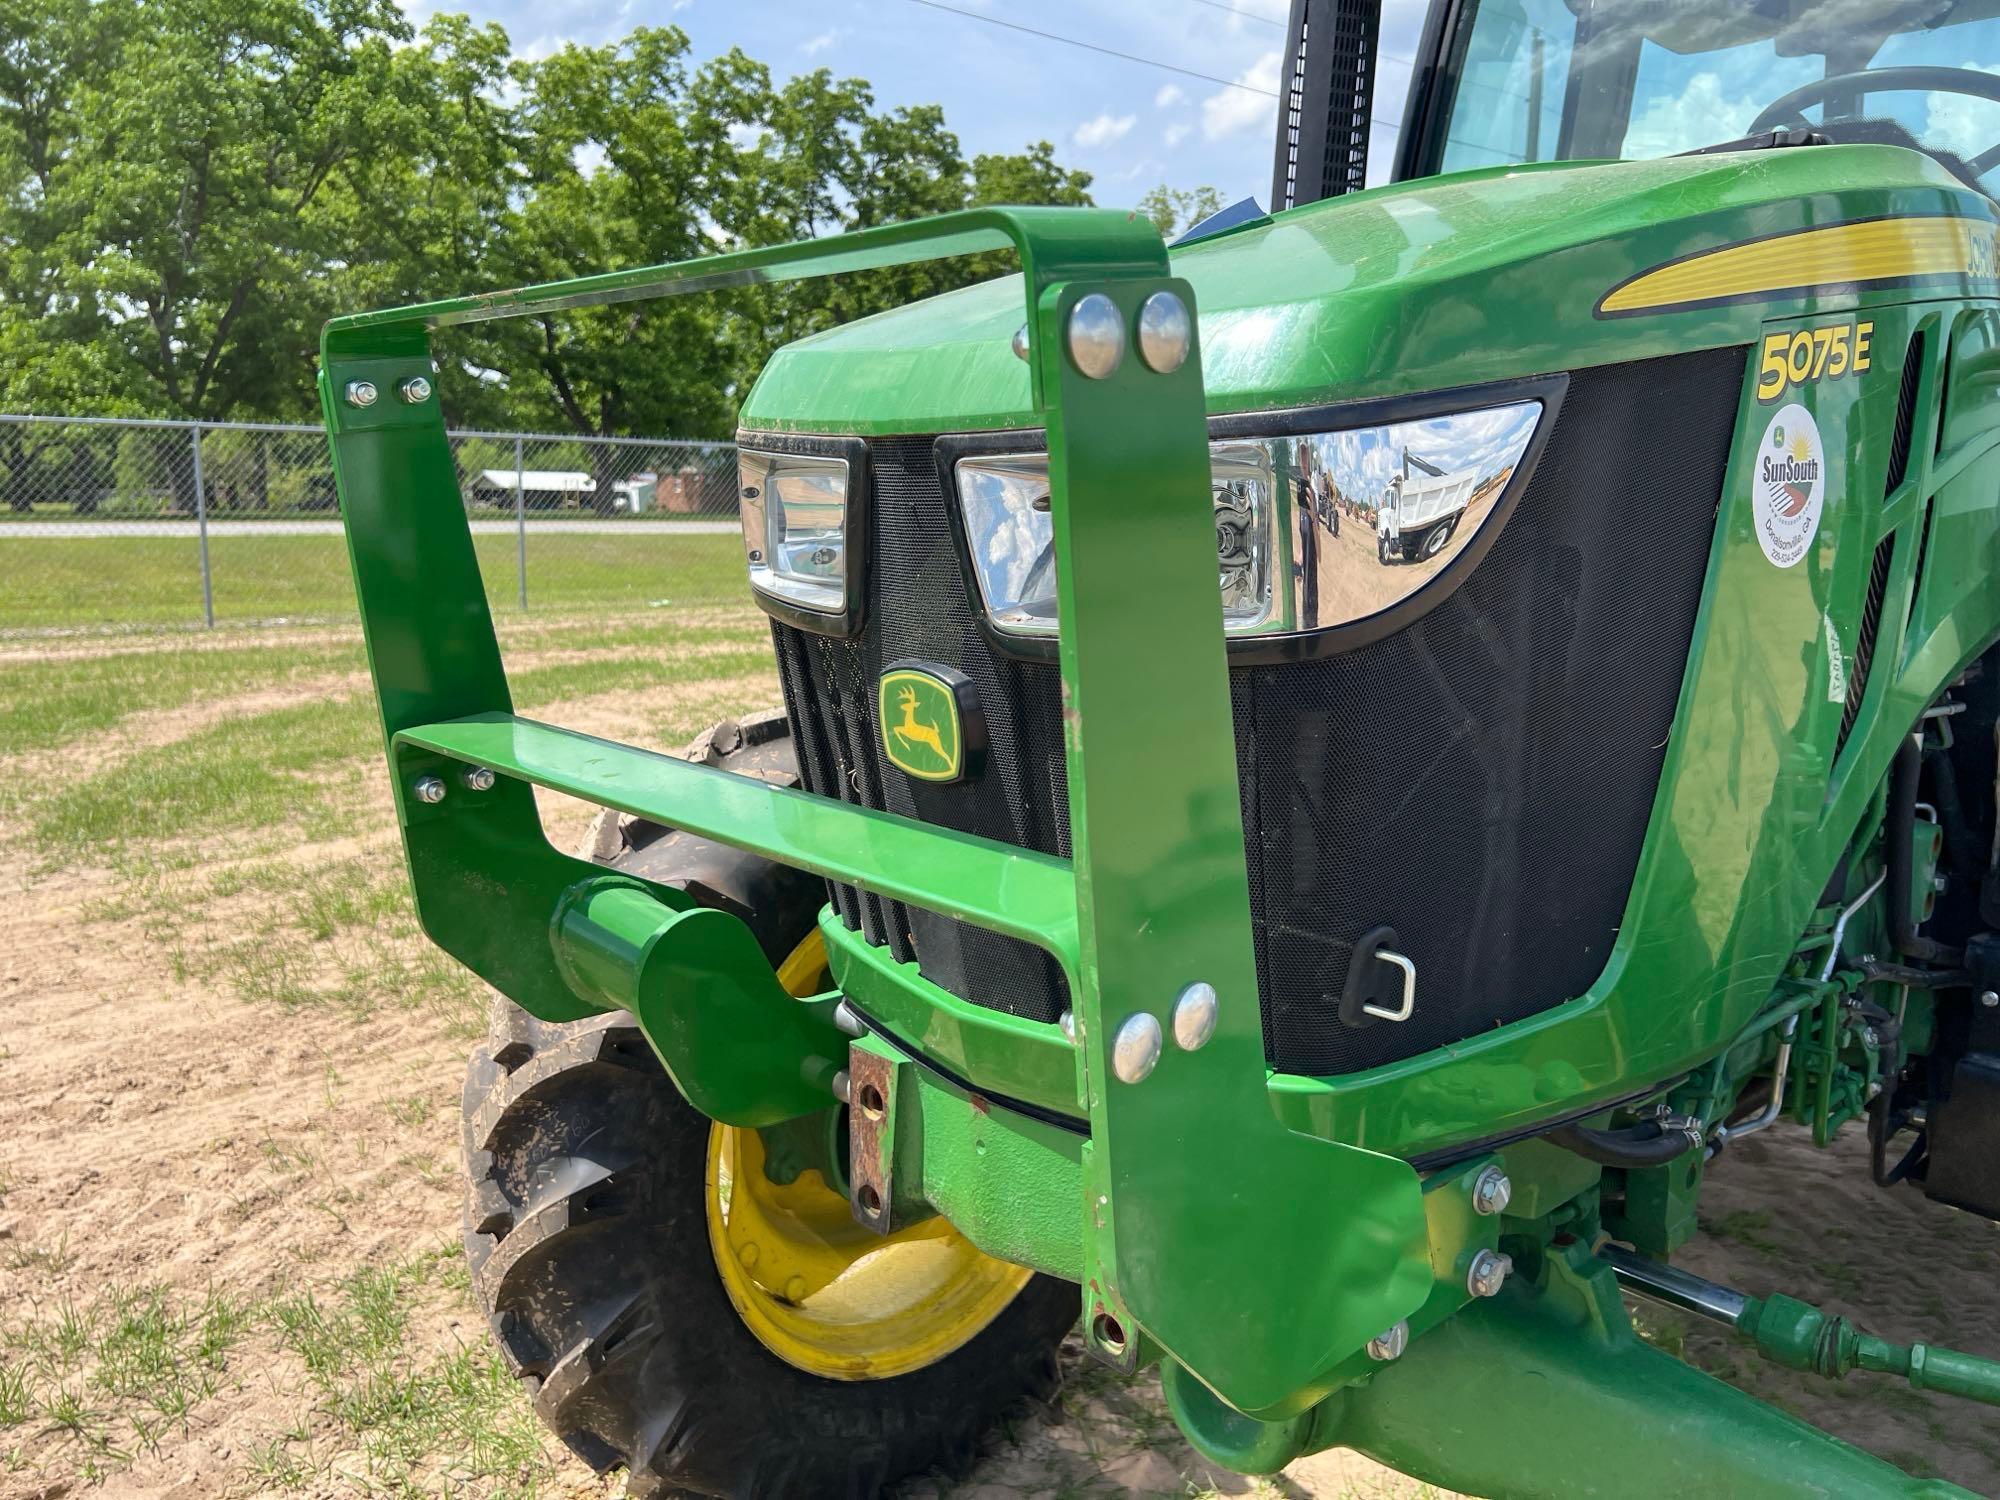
1177, 210
193, 186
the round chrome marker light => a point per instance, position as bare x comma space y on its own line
1165, 332
1096, 336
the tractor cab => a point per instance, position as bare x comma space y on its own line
1503, 83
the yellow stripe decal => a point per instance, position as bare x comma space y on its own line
1840, 255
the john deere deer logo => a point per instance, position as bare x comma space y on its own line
922, 730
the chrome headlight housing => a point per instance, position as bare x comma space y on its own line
1312, 530
800, 520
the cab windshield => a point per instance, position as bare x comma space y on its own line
1570, 80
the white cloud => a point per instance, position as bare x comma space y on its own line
1698, 115
1105, 129
1176, 134
746, 137
818, 43
1230, 111
1169, 96
1961, 124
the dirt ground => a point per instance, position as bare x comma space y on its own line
242, 1202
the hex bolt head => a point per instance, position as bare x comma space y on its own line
1989, 998
478, 778
1020, 343
843, 1087
1096, 336
1390, 1343
1194, 1016
361, 393
848, 1019
1488, 1273
429, 789
1136, 1048
415, 391
1067, 1021
1165, 332
1491, 1191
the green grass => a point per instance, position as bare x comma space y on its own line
92, 582
58, 702
292, 765
122, 1374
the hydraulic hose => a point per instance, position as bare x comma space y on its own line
1647, 1144
1898, 833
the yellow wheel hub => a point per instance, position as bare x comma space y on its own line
819, 1290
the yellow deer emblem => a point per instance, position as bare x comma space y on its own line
913, 731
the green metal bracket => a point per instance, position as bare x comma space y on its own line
736, 1045
1546, 1393
1204, 1215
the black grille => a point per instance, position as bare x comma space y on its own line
1864, 641
917, 606
1906, 415
1480, 779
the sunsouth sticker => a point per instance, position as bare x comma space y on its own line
1790, 487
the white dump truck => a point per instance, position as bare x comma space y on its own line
1420, 510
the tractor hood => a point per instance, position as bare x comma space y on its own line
1419, 286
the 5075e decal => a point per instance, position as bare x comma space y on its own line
1794, 358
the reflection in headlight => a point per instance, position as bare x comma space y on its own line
1310, 532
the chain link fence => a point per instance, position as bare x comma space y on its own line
114, 522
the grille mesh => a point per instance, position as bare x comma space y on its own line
917, 607
1480, 780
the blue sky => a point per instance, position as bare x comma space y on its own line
1132, 127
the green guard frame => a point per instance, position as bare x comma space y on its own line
1203, 1215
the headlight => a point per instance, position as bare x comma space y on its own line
795, 511
1311, 531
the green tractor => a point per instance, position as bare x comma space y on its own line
1331, 992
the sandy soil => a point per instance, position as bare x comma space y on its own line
160, 1130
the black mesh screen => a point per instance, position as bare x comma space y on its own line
917, 607
1480, 780
1864, 640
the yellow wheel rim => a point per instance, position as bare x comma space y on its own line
816, 1288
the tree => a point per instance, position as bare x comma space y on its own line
1177, 210
189, 188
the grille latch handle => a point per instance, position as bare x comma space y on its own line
1366, 998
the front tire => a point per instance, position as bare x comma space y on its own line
589, 1232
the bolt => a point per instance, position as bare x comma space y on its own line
1489, 1273
361, 393
415, 391
478, 778
843, 1087
1989, 998
1491, 1191
1096, 336
748, 1255
795, 1290
1021, 342
1136, 1048
1391, 1343
1067, 1021
1165, 332
1938, 883
429, 789
1194, 1016
848, 1019
1871, 1037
